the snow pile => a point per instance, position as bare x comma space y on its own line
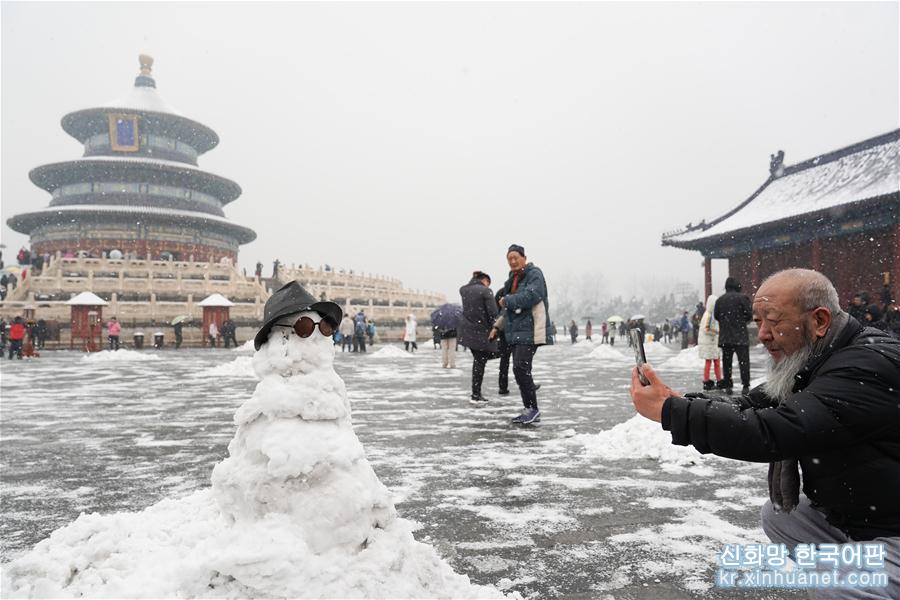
118, 356
688, 359
390, 352
241, 367
295, 510
584, 344
608, 354
656, 352
246, 347
638, 437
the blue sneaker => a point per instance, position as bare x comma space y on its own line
518, 418
531, 416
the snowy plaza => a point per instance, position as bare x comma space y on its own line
593, 502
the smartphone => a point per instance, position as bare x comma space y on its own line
637, 341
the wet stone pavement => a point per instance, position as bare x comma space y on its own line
564, 509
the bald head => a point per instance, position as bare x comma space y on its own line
805, 288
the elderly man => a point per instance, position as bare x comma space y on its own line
525, 322
830, 406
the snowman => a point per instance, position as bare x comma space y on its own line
295, 510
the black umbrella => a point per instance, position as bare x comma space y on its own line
447, 316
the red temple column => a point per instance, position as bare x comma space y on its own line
707, 276
816, 259
895, 268
754, 269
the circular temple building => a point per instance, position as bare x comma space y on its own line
137, 188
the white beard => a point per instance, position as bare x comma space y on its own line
781, 376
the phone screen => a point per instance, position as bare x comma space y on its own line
637, 342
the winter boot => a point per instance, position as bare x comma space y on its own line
745, 390
708, 385
531, 416
503, 392
478, 399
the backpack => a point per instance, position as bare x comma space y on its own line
359, 328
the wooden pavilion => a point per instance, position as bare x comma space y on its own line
837, 213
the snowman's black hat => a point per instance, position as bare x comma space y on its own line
289, 299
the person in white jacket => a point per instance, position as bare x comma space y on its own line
708, 344
409, 336
213, 333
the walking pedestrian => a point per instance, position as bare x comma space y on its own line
212, 333
684, 326
179, 334
41, 333
409, 334
229, 330
3, 335
359, 332
346, 330
588, 330
708, 344
113, 330
504, 349
733, 312
16, 337
370, 332
479, 313
573, 330
525, 319
448, 348
604, 332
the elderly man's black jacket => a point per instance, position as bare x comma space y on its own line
842, 423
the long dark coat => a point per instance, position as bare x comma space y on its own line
733, 312
840, 423
479, 313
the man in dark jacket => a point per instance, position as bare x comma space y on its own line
828, 409
525, 320
733, 312
479, 313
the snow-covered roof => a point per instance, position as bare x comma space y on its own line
52, 175
143, 98
87, 299
215, 300
867, 170
23, 221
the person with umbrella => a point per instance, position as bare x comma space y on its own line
525, 321
178, 326
446, 318
479, 313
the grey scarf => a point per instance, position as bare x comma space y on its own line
784, 475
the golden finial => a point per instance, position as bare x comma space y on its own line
146, 64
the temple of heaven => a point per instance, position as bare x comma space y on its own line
137, 189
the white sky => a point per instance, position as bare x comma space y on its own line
419, 140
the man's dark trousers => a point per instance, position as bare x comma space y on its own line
505, 351
479, 360
523, 358
743, 356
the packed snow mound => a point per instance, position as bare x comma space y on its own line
295, 510
246, 347
390, 352
584, 343
687, 359
121, 355
638, 437
656, 351
608, 354
241, 367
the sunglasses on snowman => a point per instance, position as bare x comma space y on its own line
304, 327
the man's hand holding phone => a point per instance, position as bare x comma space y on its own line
649, 399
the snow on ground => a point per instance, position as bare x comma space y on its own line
119, 356
688, 359
390, 352
609, 354
246, 347
241, 367
294, 510
558, 509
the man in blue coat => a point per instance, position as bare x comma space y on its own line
525, 322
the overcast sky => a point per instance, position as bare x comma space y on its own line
419, 140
